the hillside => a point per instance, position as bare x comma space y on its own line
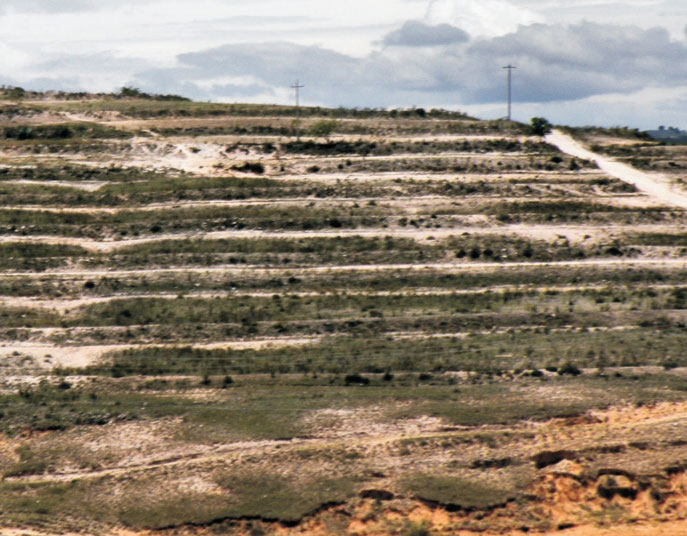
254, 320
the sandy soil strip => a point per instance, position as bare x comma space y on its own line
404, 201
257, 138
655, 185
63, 305
51, 356
539, 175
67, 304
615, 200
414, 335
446, 267
296, 157
480, 226
87, 186
46, 356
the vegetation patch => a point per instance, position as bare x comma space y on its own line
458, 493
63, 131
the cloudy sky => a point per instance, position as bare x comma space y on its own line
578, 61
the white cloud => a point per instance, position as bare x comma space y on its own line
555, 63
669, 14
162, 29
480, 17
12, 58
49, 6
360, 53
418, 34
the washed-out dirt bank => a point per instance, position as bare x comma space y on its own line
592, 475
674, 528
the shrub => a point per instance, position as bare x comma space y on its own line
569, 369
323, 128
419, 529
539, 126
457, 492
356, 379
251, 167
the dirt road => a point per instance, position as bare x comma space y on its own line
652, 184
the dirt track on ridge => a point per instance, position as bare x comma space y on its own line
653, 185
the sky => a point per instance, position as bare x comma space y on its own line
578, 62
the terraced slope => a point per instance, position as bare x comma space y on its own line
212, 319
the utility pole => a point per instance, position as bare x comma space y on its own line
295, 124
298, 86
510, 80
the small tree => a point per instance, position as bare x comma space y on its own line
131, 92
15, 92
540, 127
323, 128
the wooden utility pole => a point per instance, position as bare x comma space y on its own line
510, 80
296, 122
298, 86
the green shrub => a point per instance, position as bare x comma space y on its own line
457, 492
569, 369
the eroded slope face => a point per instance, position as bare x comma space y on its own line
225, 318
